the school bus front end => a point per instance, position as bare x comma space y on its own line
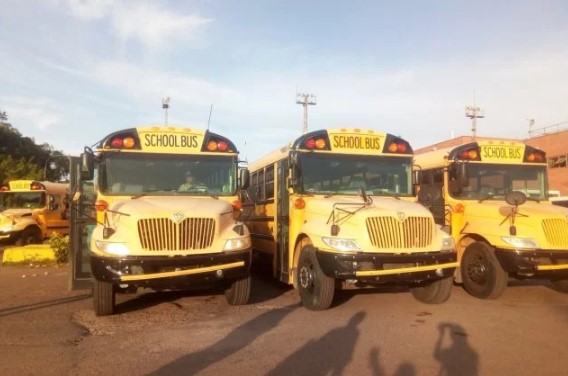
383, 240
169, 242
152, 234
501, 218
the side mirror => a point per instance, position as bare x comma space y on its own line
244, 178
415, 177
87, 165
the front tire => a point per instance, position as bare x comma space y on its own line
30, 235
316, 289
103, 298
239, 291
434, 292
482, 275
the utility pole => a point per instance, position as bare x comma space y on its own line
305, 100
165, 106
474, 113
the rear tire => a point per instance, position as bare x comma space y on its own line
30, 235
103, 298
316, 289
435, 292
239, 291
482, 275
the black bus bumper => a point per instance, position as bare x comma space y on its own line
538, 263
378, 268
172, 272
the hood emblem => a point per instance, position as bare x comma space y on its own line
177, 217
401, 216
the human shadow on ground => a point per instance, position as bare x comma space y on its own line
457, 358
233, 342
328, 355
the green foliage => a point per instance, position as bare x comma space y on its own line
22, 158
60, 245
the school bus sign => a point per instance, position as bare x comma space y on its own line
502, 153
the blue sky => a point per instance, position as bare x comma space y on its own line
73, 71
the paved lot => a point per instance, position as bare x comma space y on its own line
47, 330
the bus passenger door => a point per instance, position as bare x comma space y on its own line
82, 220
282, 210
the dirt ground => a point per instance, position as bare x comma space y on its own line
47, 330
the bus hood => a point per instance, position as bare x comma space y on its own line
159, 207
384, 225
529, 210
544, 223
379, 206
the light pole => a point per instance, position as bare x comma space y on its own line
474, 113
305, 100
165, 106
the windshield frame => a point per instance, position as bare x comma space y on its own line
351, 167
169, 174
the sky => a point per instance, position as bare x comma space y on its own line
73, 71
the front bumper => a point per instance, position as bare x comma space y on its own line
172, 272
9, 236
378, 268
534, 262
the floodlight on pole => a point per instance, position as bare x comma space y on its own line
165, 106
474, 113
305, 99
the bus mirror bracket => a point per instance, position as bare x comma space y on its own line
463, 176
87, 164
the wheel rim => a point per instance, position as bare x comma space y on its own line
306, 276
478, 269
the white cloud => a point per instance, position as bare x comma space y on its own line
146, 22
32, 113
154, 26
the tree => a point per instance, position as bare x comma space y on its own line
22, 158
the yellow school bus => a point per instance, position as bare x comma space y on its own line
30, 211
154, 228
493, 194
335, 207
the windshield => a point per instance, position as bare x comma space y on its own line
19, 200
345, 174
493, 181
162, 174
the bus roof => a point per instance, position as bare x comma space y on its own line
437, 158
166, 139
340, 140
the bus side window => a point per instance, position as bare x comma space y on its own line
269, 182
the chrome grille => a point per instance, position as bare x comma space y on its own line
390, 233
163, 234
556, 232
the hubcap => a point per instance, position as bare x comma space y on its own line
305, 277
477, 270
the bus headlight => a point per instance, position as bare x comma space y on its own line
520, 242
344, 245
119, 249
6, 228
236, 244
448, 243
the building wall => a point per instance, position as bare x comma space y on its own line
556, 147
554, 144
